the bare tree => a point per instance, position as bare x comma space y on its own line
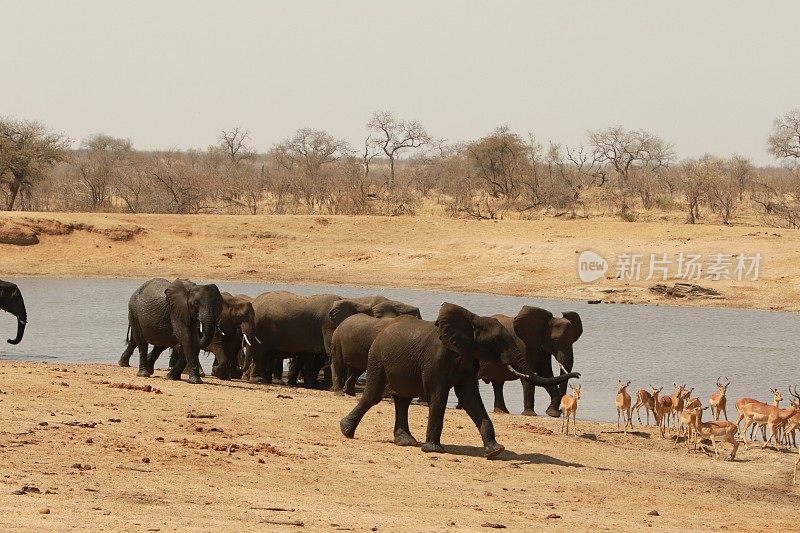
100, 165
784, 142
741, 170
393, 136
697, 177
632, 154
235, 143
27, 151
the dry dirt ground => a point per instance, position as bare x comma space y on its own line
79, 453
516, 257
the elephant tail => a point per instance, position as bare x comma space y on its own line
128, 335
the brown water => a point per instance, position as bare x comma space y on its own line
85, 321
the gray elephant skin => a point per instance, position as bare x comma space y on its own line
417, 357
172, 314
540, 336
291, 325
11, 301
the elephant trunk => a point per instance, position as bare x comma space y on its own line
516, 363
20, 332
207, 328
18, 309
565, 360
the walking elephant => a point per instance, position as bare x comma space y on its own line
168, 314
418, 357
355, 326
350, 347
12, 302
540, 336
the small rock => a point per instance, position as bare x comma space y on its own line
146, 460
17, 492
553, 516
44, 511
43, 423
653, 513
114, 420
493, 525
261, 461
89, 440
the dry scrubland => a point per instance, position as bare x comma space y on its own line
104, 458
516, 257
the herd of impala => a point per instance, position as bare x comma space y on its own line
682, 413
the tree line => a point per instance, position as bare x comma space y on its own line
399, 169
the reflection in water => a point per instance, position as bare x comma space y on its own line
85, 321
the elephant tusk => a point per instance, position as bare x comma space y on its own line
246, 340
562, 367
201, 328
257, 339
220, 330
518, 374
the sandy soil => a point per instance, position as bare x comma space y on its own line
96, 457
517, 257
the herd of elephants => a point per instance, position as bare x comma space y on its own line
341, 338
403, 355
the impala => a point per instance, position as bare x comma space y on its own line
623, 402
662, 407
713, 430
718, 400
569, 406
644, 399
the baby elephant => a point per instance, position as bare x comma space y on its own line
417, 357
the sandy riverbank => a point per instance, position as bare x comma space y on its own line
104, 458
515, 257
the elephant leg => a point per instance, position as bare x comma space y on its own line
125, 358
373, 394
276, 371
555, 391
350, 382
402, 433
499, 399
193, 361
312, 364
174, 355
437, 403
470, 397
152, 357
176, 369
144, 369
327, 374
338, 374
295, 366
527, 398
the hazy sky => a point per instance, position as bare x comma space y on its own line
708, 76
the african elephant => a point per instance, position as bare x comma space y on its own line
418, 357
540, 336
235, 331
12, 302
348, 348
290, 325
166, 314
287, 325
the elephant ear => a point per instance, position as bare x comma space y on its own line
531, 325
178, 300
347, 308
456, 329
577, 325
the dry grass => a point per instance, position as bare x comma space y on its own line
516, 257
